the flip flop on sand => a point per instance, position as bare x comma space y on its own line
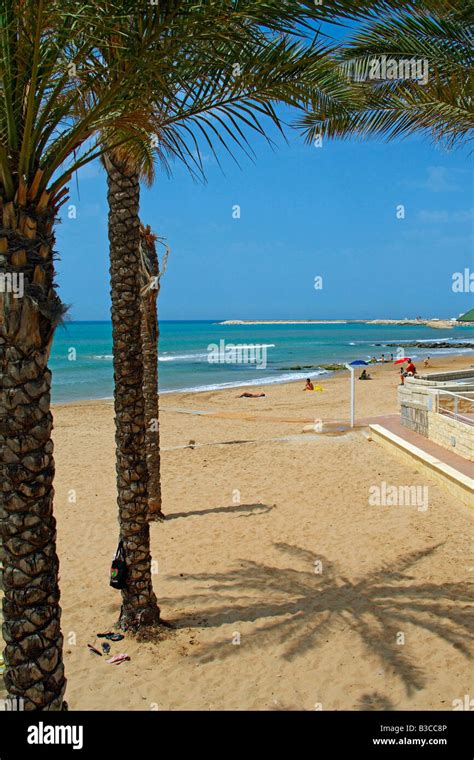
94, 650
117, 659
110, 636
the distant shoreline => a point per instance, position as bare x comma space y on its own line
255, 385
441, 324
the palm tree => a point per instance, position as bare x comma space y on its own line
139, 605
44, 137
203, 97
438, 32
194, 94
150, 276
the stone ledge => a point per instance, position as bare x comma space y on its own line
460, 485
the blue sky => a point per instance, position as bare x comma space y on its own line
305, 212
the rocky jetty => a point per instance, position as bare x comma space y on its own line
432, 346
328, 367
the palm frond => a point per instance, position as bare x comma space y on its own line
441, 107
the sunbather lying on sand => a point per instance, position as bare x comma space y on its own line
251, 395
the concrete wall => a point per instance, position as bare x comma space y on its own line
415, 417
445, 377
417, 399
451, 434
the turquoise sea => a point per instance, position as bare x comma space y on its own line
81, 358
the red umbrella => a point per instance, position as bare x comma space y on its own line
400, 361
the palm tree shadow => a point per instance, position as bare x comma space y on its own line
374, 702
302, 607
235, 508
367, 702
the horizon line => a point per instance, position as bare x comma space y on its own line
280, 319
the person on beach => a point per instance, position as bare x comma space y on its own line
402, 376
309, 385
426, 362
251, 395
364, 375
411, 369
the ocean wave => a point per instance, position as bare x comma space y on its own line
171, 357
271, 380
428, 340
161, 357
180, 357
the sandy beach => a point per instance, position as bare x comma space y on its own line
285, 587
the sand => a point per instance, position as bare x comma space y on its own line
287, 590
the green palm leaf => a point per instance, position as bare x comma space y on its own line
441, 108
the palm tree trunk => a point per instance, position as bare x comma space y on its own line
139, 605
29, 312
150, 335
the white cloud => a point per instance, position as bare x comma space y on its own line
443, 217
89, 171
440, 179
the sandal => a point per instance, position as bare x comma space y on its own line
110, 636
117, 659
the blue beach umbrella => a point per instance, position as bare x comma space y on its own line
350, 367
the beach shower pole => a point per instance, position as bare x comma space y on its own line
351, 370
